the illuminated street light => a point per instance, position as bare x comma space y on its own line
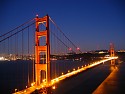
15, 90
78, 67
54, 87
32, 84
44, 80
62, 73
24, 90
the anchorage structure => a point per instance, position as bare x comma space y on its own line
112, 53
42, 49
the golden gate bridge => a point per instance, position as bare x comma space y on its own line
42, 41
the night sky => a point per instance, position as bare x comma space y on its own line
90, 24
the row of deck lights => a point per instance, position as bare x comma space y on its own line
71, 73
78, 70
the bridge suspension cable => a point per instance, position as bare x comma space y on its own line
16, 28
64, 36
13, 33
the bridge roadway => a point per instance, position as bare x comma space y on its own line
63, 76
114, 83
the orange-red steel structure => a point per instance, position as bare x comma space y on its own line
42, 48
112, 53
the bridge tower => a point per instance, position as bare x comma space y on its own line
42, 49
112, 53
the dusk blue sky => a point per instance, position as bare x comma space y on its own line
90, 24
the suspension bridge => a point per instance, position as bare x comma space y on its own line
42, 42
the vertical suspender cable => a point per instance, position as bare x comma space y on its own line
53, 46
28, 55
23, 61
22, 45
16, 60
8, 47
4, 46
16, 76
33, 54
15, 48
17, 45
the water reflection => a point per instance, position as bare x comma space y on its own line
113, 67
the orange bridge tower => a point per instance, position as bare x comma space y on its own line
112, 53
42, 49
